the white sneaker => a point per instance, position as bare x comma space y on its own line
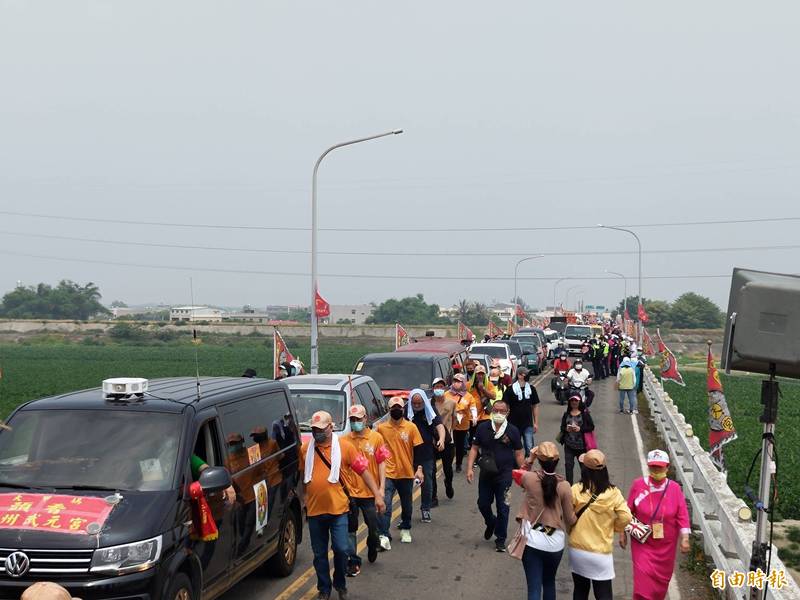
386, 544
405, 536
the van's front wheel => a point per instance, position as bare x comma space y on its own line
282, 564
180, 588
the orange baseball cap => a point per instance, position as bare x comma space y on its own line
357, 412
321, 419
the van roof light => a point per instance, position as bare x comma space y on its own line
122, 388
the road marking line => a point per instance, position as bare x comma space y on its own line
672, 591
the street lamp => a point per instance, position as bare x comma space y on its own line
639, 243
625, 297
566, 297
516, 268
314, 283
554, 290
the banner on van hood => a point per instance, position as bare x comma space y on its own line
77, 515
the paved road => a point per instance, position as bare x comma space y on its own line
449, 557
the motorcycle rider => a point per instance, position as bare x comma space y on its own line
560, 364
579, 379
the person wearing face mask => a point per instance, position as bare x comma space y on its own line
445, 406
575, 422
462, 416
403, 466
420, 411
578, 376
500, 446
325, 458
658, 502
498, 381
523, 402
369, 444
483, 394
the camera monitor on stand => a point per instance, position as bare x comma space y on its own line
763, 325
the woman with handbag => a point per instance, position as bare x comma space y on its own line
600, 510
544, 515
660, 520
577, 434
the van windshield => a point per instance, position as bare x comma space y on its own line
307, 402
90, 449
398, 375
578, 332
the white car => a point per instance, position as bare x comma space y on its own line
508, 361
553, 338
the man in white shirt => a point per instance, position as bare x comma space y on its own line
578, 375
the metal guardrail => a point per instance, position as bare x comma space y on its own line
714, 507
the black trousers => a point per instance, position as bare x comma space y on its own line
570, 454
446, 456
460, 443
367, 508
597, 367
581, 586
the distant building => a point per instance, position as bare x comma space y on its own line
129, 311
355, 313
503, 311
249, 316
451, 312
195, 313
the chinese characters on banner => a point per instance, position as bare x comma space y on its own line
321, 306
511, 328
647, 343
669, 364
465, 333
58, 513
493, 330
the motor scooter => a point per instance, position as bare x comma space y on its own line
562, 387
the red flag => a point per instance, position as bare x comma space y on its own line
321, 306
520, 312
669, 364
280, 353
642, 314
400, 336
626, 315
647, 343
511, 328
493, 330
720, 423
464, 332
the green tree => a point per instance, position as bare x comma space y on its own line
68, 300
657, 310
693, 311
408, 311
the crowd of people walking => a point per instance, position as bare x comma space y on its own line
492, 420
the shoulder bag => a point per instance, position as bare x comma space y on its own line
641, 531
327, 463
583, 510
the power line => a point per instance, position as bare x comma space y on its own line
401, 254
386, 229
331, 275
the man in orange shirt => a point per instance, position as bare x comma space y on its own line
402, 467
483, 393
326, 459
462, 416
369, 444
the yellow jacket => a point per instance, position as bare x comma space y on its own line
594, 531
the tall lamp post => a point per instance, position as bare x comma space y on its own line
314, 282
555, 285
639, 244
625, 297
566, 297
516, 268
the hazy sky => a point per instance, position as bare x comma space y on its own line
522, 114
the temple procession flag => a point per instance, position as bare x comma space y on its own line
720, 423
669, 364
280, 353
400, 336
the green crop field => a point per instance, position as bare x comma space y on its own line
744, 399
41, 369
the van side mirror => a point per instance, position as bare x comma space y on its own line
215, 479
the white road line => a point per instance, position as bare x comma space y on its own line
673, 592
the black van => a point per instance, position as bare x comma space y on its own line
397, 373
108, 473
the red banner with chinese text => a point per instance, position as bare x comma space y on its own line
400, 336
465, 333
53, 512
280, 355
321, 306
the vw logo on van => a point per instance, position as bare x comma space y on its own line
17, 564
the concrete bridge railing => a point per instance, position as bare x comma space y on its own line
714, 507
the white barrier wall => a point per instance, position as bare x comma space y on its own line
714, 507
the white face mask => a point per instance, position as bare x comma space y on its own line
498, 418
